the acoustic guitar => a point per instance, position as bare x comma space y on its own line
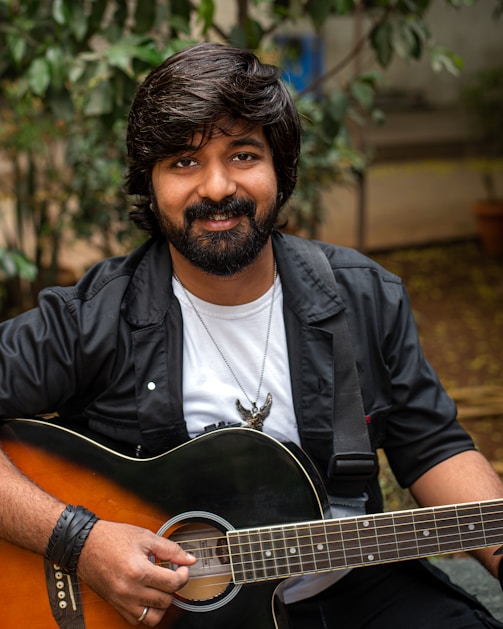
250, 508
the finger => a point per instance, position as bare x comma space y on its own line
166, 550
151, 618
167, 580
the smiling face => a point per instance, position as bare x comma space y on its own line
216, 202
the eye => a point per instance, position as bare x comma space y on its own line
185, 162
243, 157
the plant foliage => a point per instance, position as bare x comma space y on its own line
69, 70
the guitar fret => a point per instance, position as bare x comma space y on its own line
279, 545
336, 555
246, 565
321, 548
449, 532
294, 549
351, 541
268, 555
471, 528
257, 557
425, 528
386, 529
405, 535
307, 554
370, 539
492, 522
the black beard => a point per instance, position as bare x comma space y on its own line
225, 252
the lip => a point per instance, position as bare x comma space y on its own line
219, 222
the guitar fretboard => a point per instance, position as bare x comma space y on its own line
281, 551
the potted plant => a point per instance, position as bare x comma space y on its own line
483, 98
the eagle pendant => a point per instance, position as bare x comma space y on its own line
255, 418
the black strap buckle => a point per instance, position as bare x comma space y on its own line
352, 466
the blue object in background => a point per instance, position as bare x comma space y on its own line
302, 59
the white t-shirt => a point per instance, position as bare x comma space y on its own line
210, 390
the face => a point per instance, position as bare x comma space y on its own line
217, 203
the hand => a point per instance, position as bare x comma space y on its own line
115, 563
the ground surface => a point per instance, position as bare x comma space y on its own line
457, 295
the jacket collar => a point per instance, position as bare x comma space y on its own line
150, 293
308, 294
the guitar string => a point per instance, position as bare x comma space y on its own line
324, 525
348, 530
359, 549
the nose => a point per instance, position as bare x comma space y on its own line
216, 183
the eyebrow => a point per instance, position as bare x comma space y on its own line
247, 141
235, 143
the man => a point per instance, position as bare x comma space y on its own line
219, 319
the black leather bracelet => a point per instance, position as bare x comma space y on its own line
69, 536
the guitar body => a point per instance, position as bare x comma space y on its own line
231, 478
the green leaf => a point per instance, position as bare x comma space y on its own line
237, 37
144, 17
39, 76
403, 39
77, 20
342, 7
254, 33
338, 104
205, 13
7, 264
444, 59
25, 268
100, 99
380, 40
60, 12
363, 93
121, 54
14, 263
16, 46
54, 56
318, 10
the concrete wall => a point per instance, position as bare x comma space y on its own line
410, 203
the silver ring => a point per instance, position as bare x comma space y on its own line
143, 615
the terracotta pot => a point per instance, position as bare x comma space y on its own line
489, 219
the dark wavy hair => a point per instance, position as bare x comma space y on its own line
194, 91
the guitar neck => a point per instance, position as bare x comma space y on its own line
277, 552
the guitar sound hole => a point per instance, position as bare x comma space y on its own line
210, 576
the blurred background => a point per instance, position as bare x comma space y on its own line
402, 111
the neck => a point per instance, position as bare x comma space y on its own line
240, 288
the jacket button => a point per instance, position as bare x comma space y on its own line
151, 386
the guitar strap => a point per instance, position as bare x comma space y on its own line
352, 463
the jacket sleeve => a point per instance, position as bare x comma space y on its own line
40, 363
422, 429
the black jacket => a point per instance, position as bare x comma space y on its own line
91, 353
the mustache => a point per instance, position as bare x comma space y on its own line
235, 206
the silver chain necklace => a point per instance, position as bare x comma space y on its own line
254, 417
